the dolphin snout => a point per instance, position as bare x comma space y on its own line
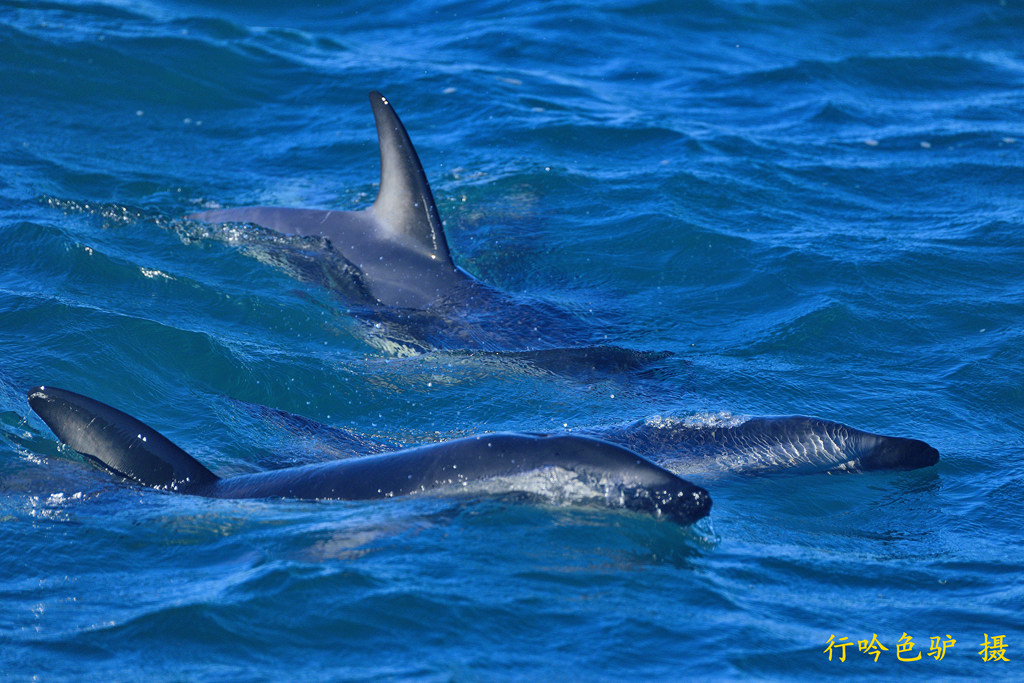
894, 453
683, 504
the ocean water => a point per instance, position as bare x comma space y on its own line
817, 207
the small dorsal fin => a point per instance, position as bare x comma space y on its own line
404, 203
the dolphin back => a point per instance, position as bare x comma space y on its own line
404, 210
396, 248
488, 464
117, 442
761, 445
560, 468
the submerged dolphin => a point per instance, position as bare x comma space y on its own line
391, 263
701, 447
760, 445
530, 464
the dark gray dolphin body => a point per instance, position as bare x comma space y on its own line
700, 447
759, 445
391, 265
490, 464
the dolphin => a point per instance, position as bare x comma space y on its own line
397, 246
706, 446
539, 466
391, 264
760, 445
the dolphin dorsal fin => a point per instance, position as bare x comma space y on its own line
404, 203
117, 442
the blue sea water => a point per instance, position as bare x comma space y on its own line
816, 206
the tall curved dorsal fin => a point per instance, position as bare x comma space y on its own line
404, 203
